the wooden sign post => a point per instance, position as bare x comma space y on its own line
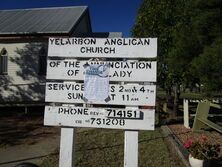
133, 86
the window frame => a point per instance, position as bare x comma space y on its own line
42, 63
4, 61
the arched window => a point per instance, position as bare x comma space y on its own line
3, 62
42, 61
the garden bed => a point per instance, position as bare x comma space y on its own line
183, 134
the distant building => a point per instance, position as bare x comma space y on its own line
24, 37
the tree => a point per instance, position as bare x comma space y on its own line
188, 34
207, 25
163, 20
208, 67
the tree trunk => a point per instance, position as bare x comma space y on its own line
168, 94
176, 100
169, 104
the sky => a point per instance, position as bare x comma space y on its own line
105, 15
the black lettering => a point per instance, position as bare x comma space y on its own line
139, 42
112, 96
134, 41
109, 111
121, 88
82, 50
75, 96
62, 41
76, 72
55, 86
68, 86
52, 64
82, 87
141, 65
61, 87
112, 89
87, 41
89, 50
126, 65
111, 64
129, 73
72, 64
51, 40
60, 110
146, 41
57, 41
80, 41
77, 87
65, 62
69, 95
49, 86
117, 64
112, 50
100, 50
106, 50
120, 42
70, 72
107, 42
77, 64
122, 73
71, 111
115, 74
148, 65
75, 41
68, 41
86, 111
66, 111
113, 41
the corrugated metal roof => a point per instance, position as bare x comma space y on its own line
40, 21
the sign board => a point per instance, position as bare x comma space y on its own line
99, 117
139, 71
130, 94
103, 47
98, 87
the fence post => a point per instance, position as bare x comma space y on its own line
186, 113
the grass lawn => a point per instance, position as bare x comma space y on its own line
104, 148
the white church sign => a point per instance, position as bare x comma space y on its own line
114, 75
119, 70
70, 116
103, 47
128, 94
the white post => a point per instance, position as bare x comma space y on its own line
131, 146
186, 113
66, 155
131, 149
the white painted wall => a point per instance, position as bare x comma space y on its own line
22, 83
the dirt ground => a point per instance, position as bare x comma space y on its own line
24, 138
23, 128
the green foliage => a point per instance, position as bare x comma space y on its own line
161, 20
188, 35
208, 67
